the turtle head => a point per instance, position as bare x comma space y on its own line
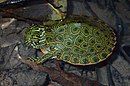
35, 37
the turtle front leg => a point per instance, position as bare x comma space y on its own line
41, 59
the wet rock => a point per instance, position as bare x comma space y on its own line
6, 54
78, 8
104, 14
102, 75
11, 33
122, 66
75, 72
14, 73
120, 71
5, 80
54, 84
26, 52
20, 77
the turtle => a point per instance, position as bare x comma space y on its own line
74, 40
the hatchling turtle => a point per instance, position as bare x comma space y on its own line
75, 40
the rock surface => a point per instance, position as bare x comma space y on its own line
14, 73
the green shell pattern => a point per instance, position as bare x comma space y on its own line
76, 43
